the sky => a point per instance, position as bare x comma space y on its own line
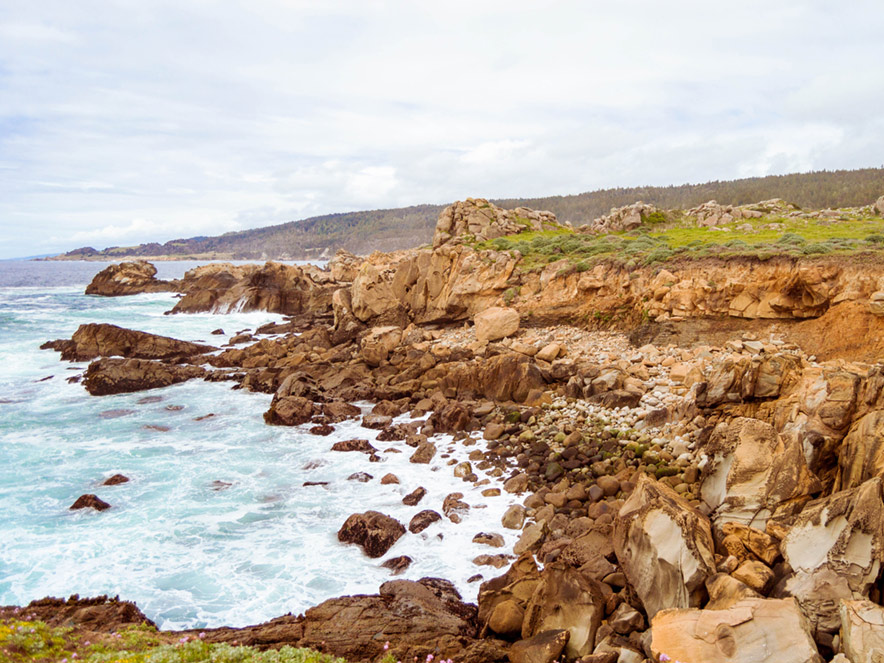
124, 122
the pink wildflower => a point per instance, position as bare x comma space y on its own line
202, 634
386, 645
664, 658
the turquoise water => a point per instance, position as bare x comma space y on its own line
215, 526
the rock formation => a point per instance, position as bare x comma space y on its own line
476, 219
128, 278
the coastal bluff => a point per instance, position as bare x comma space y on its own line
693, 445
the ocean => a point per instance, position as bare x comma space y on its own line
216, 526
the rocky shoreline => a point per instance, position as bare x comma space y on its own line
705, 487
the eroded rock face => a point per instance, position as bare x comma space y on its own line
99, 614
862, 628
478, 220
128, 278
104, 340
664, 547
751, 470
375, 532
750, 631
861, 456
117, 376
496, 323
378, 343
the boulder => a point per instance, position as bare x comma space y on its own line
415, 496
128, 278
496, 323
103, 340
544, 647
506, 618
89, 502
862, 631
565, 599
751, 470
664, 547
862, 452
750, 631
398, 565
354, 445
476, 219
115, 480
878, 207
118, 376
373, 531
424, 453
378, 343
422, 520
289, 411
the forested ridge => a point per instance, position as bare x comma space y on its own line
406, 227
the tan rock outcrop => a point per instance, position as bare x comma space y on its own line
496, 323
664, 547
751, 470
862, 631
378, 343
476, 219
627, 217
750, 631
128, 278
103, 340
861, 456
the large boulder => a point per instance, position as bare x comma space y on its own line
750, 470
664, 546
128, 278
862, 631
103, 340
750, 631
878, 207
373, 531
117, 376
378, 343
862, 452
496, 323
290, 411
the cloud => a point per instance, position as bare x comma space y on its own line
125, 122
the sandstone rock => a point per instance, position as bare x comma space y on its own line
755, 575
289, 411
545, 647
478, 220
753, 630
548, 352
398, 564
513, 517
378, 343
506, 618
496, 323
424, 453
751, 471
876, 303
373, 531
117, 376
354, 445
454, 507
415, 496
565, 599
128, 278
103, 340
489, 539
878, 207
517, 484
664, 547
339, 411
862, 452
626, 619
531, 538
376, 421
862, 629
89, 502
422, 520
389, 478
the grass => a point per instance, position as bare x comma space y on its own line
23, 641
652, 243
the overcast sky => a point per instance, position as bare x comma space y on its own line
126, 122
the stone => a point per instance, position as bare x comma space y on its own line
625, 619
493, 431
115, 480
89, 502
755, 575
752, 470
506, 618
463, 470
862, 631
513, 517
128, 278
566, 599
496, 323
397, 564
375, 532
389, 478
377, 421
750, 631
415, 496
878, 207
545, 647
361, 477
609, 485
104, 340
497, 561
489, 539
531, 538
664, 547
354, 445
454, 507
862, 452
548, 352
424, 453
289, 411
876, 303
517, 484
113, 375
422, 520
378, 343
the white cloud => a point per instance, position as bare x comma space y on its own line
124, 122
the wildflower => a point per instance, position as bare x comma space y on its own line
87, 643
430, 658
202, 634
664, 658
386, 645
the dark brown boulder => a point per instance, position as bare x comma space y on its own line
289, 411
89, 502
422, 520
354, 445
414, 496
118, 376
102, 340
452, 418
115, 480
544, 647
128, 278
100, 614
340, 410
424, 453
376, 421
398, 564
373, 531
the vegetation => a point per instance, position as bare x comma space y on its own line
34, 642
762, 238
390, 229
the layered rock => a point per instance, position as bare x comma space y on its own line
103, 340
373, 531
476, 220
128, 278
664, 547
628, 217
117, 376
862, 628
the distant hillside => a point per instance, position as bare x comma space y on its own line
390, 229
